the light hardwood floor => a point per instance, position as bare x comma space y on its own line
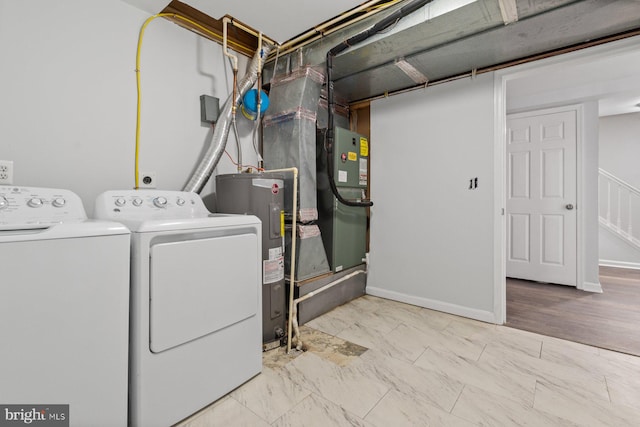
609, 320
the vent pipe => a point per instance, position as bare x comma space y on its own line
221, 132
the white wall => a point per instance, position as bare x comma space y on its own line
619, 154
620, 146
588, 241
68, 96
615, 252
433, 243
431, 237
582, 77
585, 76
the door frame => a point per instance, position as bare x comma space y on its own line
501, 78
500, 202
578, 108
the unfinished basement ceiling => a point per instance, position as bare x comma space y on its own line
467, 39
280, 20
442, 40
475, 37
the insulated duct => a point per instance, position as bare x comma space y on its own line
219, 140
289, 140
341, 47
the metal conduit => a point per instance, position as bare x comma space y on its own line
341, 47
219, 140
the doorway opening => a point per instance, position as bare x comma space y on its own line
581, 78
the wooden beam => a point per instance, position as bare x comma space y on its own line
239, 40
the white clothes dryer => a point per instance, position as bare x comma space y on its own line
195, 301
64, 310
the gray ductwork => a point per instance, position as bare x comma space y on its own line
449, 39
289, 133
289, 140
219, 140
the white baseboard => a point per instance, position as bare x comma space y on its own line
592, 287
458, 310
619, 264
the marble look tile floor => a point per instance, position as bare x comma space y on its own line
378, 363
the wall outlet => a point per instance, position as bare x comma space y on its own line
6, 172
147, 180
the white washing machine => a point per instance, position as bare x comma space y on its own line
196, 331
64, 308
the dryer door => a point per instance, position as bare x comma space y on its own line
198, 287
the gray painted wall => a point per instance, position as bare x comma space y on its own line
620, 146
68, 96
432, 237
619, 154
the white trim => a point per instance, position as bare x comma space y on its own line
544, 110
613, 229
523, 70
591, 287
580, 211
617, 180
614, 226
499, 171
580, 203
472, 313
499, 201
619, 264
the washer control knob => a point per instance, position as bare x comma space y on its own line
4, 203
137, 202
180, 202
160, 202
59, 202
34, 202
120, 202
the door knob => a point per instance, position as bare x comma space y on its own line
569, 206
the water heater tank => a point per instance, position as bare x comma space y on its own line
262, 195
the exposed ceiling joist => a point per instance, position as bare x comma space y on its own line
240, 40
445, 39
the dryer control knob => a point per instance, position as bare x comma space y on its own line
4, 203
180, 202
59, 202
137, 202
120, 202
160, 202
34, 202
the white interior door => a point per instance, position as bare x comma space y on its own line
541, 196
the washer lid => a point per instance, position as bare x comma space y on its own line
23, 208
149, 204
212, 221
157, 210
65, 230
